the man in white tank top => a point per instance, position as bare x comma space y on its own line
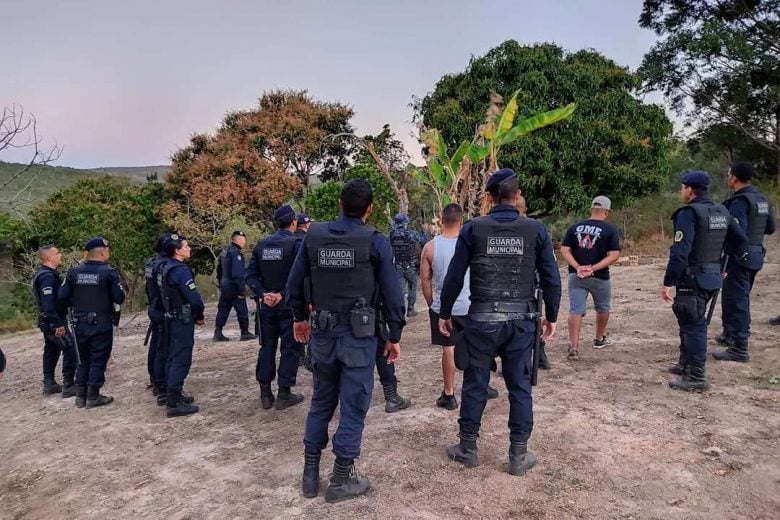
436, 256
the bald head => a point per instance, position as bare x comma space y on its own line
50, 256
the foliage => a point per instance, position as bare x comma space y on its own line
718, 62
613, 144
322, 202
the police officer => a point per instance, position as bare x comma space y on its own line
231, 274
269, 267
701, 230
94, 290
156, 314
304, 222
404, 243
752, 211
51, 320
385, 370
344, 263
503, 251
183, 310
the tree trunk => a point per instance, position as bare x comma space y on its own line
403, 198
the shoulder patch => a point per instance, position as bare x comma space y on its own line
191, 285
47, 291
678, 237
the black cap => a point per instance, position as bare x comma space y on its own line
96, 242
696, 178
498, 177
283, 211
238, 234
159, 246
303, 218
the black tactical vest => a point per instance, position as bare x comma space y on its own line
36, 290
91, 287
151, 270
712, 224
758, 214
403, 247
172, 297
276, 257
224, 261
503, 260
341, 269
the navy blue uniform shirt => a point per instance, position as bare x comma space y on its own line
546, 267
684, 233
381, 255
740, 209
180, 277
253, 279
46, 285
235, 277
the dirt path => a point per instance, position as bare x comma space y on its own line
613, 441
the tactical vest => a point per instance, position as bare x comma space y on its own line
276, 257
172, 297
35, 288
503, 260
403, 247
712, 224
341, 269
758, 214
150, 275
90, 284
224, 261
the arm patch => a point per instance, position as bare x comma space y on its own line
678, 236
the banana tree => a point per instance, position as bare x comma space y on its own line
444, 174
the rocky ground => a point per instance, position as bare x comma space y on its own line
613, 440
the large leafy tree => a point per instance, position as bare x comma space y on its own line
718, 62
613, 143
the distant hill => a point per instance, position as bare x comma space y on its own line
18, 199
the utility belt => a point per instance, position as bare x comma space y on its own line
502, 311
183, 313
361, 319
93, 318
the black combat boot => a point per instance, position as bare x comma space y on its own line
95, 398
464, 452
286, 398
345, 482
737, 351
153, 386
692, 380
218, 336
50, 386
680, 367
310, 484
266, 396
162, 395
393, 401
81, 396
724, 339
68, 386
176, 405
245, 334
544, 363
520, 459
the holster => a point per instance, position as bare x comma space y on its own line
688, 306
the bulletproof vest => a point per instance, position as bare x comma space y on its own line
276, 258
503, 260
224, 261
150, 275
341, 269
36, 289
172, 297
90, 284
757, 215
403, 246
712, 224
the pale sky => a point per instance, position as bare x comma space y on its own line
125, 83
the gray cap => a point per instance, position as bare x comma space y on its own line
601, 202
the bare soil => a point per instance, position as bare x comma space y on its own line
613, 440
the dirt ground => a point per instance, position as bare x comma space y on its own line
613, 440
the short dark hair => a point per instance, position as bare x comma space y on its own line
452, 214
285, 222
742, 170
356, 197
505, 191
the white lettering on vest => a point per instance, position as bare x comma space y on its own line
88, 279
719, 222
505, 246
272, 254
336, 257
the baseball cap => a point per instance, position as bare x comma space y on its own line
601, 202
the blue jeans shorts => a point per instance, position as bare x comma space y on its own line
580, 288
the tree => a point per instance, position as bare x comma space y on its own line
613, 143
718, 62
125, 214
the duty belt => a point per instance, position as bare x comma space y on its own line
326, 320
501, 307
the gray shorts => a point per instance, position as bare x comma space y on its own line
579, 288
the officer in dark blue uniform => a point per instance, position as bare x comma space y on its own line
51, 320
404, 243
504, 252
343, 263
269, 267
385, 370
702, 228
94, 290
156, 313
183, 310
754, 215
231, 274
303, 224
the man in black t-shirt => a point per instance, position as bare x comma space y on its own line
590, 247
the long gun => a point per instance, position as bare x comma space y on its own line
148, 334
537, 336
714, 300
72, 332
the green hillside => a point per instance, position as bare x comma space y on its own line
35, 185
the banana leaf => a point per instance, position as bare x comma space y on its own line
526, 126
508, 115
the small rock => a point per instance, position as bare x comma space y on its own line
712, 450
721, 472
674, 501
